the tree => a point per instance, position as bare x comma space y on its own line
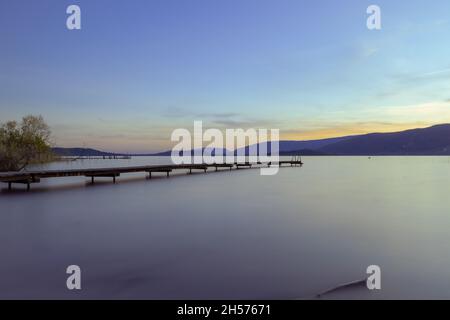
24, 143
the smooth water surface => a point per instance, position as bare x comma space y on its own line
232, 235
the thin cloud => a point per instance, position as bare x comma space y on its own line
428, 76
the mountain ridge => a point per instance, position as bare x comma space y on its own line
434, 140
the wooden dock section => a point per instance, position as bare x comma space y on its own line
113, 157
30, 177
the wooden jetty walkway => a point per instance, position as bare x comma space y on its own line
29, 177
65, 158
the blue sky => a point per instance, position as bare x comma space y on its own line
140, 68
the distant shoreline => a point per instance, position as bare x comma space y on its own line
431, 141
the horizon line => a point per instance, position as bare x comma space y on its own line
281, 140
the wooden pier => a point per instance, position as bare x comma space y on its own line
30, 177
114, 157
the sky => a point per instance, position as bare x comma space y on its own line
139, 69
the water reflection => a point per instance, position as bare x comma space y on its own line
233, 234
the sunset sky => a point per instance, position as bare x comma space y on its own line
140, 68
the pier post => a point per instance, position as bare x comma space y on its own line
114, 179
28, 186
9, 186
205, 169
92, 179
167, 174
150, 175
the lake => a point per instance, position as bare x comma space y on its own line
232, 235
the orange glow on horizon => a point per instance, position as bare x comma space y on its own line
348, 130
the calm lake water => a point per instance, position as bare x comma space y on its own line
233, 235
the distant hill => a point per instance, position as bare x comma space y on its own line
433, 140
81, 152
169, 152
310, 147
289, 145
286, 147
303, 152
